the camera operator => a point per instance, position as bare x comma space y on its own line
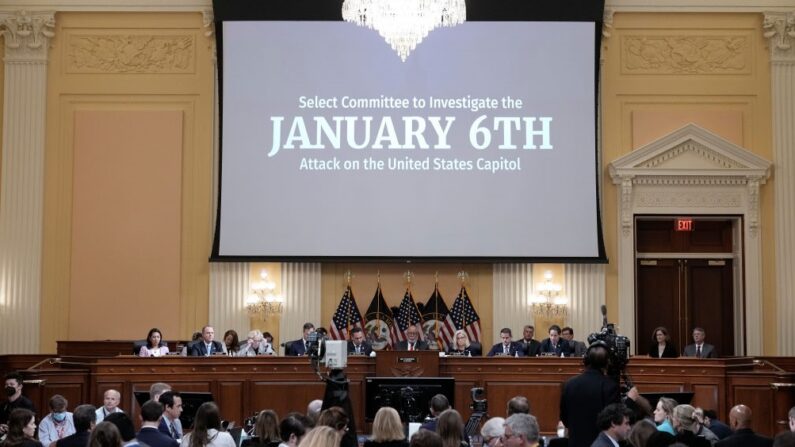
584, 396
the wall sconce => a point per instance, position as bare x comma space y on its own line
549, 302
262, 299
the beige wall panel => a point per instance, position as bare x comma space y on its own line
125, 224
2, 97
130, 62
393, 285
662, 70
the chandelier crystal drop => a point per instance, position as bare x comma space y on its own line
404, 23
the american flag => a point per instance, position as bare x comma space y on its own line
408, 315
346, 317
434, 315
462, 316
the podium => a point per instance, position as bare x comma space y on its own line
407, 364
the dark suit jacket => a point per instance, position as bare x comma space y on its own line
295, 347
707, 351
516, 349
668, 353
602, 441
366, 348
153, 438
583, 397
199, 349
79, 439
690, 439
531, 348
418, 346
163, 428
745, 437
475, 349
563, 347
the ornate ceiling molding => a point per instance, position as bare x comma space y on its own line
27, 35
779, 30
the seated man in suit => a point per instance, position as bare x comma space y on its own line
170, 424
740, 422
578, 347
298, 347
531, 345
699, 349
554, 345
150, 434
412, 341
507, 347
613, 421
357, 345
207, 346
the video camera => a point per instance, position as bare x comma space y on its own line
319, 349
617, 346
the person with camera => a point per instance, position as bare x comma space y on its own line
587, 394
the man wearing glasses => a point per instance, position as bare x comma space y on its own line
521, 430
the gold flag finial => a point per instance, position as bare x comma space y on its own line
409, 275
348, 277
463, 277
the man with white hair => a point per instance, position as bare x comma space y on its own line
255, 345
492, 431
110, 405
521, 430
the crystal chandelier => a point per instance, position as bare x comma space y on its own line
262, 300
549, 302
404, 23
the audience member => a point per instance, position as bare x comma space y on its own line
105, 434
126, 429
436, 406
578, 348
698, 348
85, 420
703, 431
521, 430
231, 342
207, 429
792, 419
266, 431
585, 395
613, 421
313, 411
506, 347
387, 430
357, 344
451, 428
207, 346
686, 426
58, 424
157, 389
641, 432
529, 343
412, 341
170, 424
492, 432
154, 346
291, 430
110, 405
784, 439
255, 345
298, 347
463, 347
711, 421
740, 422
661, 346
14, 400
21, 431
660, 439
334, 417
150, 434
425, 438
554, 345
663, 414
321, 436
518, 404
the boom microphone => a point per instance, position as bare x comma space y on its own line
603, 308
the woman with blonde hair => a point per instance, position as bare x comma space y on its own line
462, 346
663, 413
451, 428
321, 436
387, 430
686, 425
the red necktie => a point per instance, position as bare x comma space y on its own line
411, 346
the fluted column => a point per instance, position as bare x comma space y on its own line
27, 37
301, 289
513, 284
585, 286
229, 285
779, 29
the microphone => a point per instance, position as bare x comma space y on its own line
603, 308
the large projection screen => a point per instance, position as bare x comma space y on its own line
481, 145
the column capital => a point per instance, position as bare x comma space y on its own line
27, 35
779, 30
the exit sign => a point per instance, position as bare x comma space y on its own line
683, 224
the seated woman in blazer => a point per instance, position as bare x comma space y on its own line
462, 346
661, 346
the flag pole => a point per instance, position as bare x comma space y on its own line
436, 311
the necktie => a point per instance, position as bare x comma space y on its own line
209, 349
504, 349
358, 350
411, 346
698, 351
